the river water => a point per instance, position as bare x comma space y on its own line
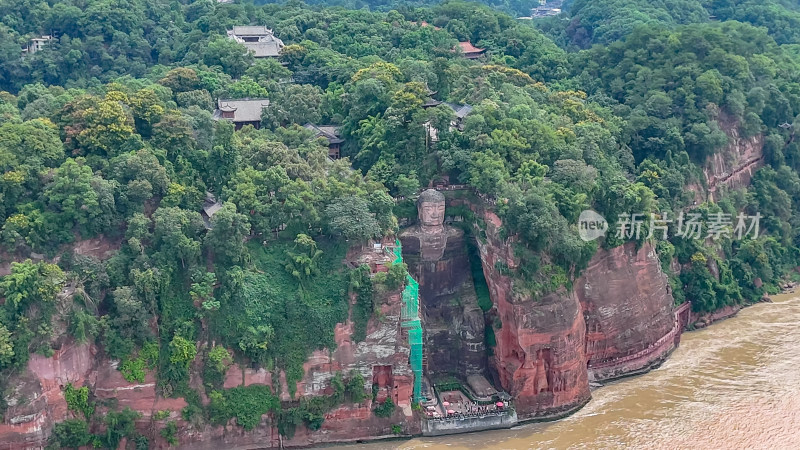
733, 385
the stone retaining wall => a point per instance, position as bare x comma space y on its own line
444, 426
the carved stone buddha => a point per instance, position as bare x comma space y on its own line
436, 255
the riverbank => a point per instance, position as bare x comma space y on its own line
733, 385
578, 410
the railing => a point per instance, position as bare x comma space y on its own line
652, 347
461, 416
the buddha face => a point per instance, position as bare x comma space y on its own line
431, 214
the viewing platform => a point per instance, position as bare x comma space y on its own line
458, 408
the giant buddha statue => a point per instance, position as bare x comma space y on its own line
430, 209
436, 255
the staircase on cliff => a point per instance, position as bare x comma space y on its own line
410, 322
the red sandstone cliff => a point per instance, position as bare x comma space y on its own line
37, 401
618, 320
628, 311
733, 166
539, 356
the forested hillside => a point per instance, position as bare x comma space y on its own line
106, 134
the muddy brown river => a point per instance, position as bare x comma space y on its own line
733, 385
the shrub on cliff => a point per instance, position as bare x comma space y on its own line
78, 400
71, 433
245, 403
354, 389
384, 409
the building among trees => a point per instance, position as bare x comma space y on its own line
241, 112
470, 51
36, 44
331, 133
258, 39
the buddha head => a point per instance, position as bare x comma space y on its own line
430, 208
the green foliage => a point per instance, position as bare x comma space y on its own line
202, 290
119, 424
217, 361
161, 415
133, 369
361, 286
31, 283
275, 322
71, 433
624, 126
182, 351
393, 279
169, 432
30, 292
231, 56
78, 400
304, 258
246, 404
385, 409
354, 388
219, 358
350, 216
606, 21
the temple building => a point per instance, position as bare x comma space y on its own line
258, 39
331, 134
241, 112
460, 111
469, 51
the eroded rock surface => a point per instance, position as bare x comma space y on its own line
539, 357
627, 307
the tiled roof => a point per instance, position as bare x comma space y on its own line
251, 30
329, 132
467, 47
244, 110
460, 110
268, 49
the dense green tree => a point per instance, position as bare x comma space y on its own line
350, 216
229, 229
231, 56
298, 104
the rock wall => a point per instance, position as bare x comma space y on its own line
37, 400
539, 357
382, 358
733, 166
618, 320
452, 320
627, 307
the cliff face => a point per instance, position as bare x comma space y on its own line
539, 357
382, 358
617, 320
733, 166
37, 402
453, 321
628, 311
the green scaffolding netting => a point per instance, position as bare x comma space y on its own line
410, 321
